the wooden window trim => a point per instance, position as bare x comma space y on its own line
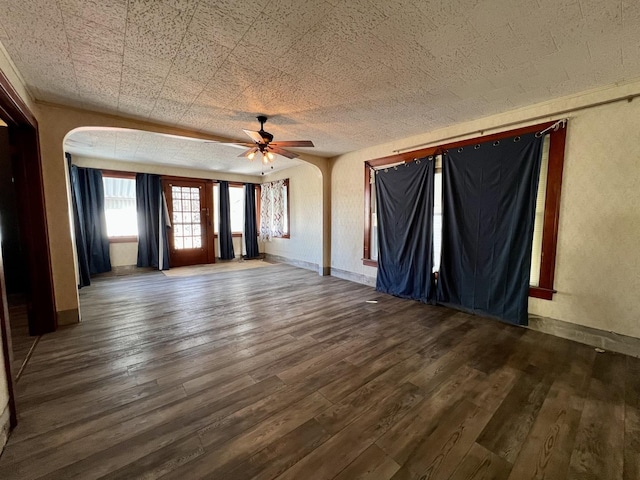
127, 239
233, 234
118, 174
551, 222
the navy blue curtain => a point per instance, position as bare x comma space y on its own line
93, 221
405, 230
224, 227
489, 202
151, 229
84, 275
250, 229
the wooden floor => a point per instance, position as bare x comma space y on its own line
280, 373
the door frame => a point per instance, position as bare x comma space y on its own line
207, 197
25, 152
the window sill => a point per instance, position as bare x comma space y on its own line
542, 293
233, 234
130, 239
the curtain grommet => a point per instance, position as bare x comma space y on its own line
477, 146
460, 150
496, 143
538, 134
517, 139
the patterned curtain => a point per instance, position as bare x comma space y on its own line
277, 225
272, 210
266, 208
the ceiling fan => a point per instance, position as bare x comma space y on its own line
263, 143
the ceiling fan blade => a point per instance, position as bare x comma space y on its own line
255, 136
293, 143
283, 152
249, 152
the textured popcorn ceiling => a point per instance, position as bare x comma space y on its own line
344, 74
153, 148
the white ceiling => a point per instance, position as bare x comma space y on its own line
154, 148
342, 73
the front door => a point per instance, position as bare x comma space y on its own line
189, 241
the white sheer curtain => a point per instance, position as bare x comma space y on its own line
272, 210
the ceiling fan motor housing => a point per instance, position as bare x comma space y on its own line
266, 136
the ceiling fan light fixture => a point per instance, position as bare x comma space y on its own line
262, 143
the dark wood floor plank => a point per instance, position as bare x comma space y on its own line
405, 436
237, 375
438, 455
282, 453
481, 464
366, 397
546, 453
509, 427
340, 450
160, 462
372, 464
599, 445
228, 456
632, 420
200, 410
28, 443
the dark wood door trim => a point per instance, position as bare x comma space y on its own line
27, 165
5, 332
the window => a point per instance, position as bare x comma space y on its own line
120, 206
437, 218
236, 200
538, 228
547, 205
274, 210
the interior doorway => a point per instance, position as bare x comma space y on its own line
29, 274
16, 278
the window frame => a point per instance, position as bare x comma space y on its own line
259, 204
236, 185
545, 289
231, 185
128, 176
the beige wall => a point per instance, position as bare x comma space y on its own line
598, 261
306, 216
598, 258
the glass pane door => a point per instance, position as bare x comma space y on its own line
187, 222
189, 219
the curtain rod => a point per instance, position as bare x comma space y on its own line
628, 98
